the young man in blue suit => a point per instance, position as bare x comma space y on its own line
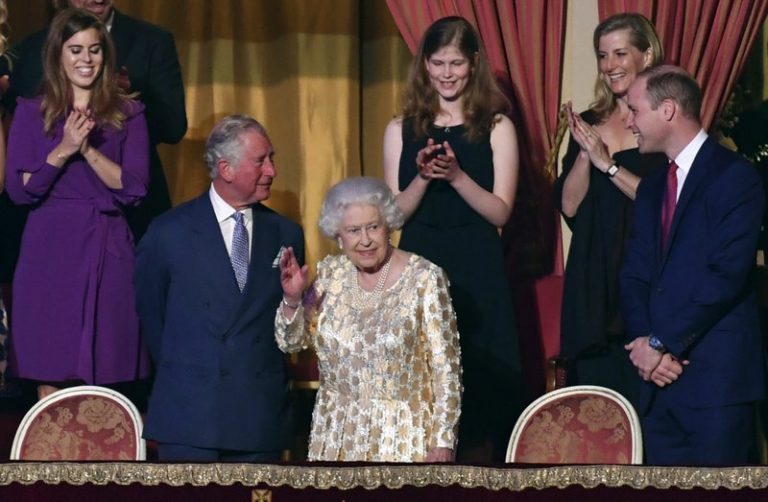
207, 289
687, 289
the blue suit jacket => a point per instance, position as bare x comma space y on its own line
220, 378
697, 296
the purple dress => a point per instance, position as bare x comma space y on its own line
73, 308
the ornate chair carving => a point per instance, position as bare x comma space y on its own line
583, 424
80, 423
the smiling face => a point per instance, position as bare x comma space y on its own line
647, 124
449, 71
364, 236
82, 58
249, 180
619, 61
101, 8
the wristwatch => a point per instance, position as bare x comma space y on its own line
656, 344
611, 171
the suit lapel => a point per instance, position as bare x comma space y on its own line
210, 245
696, 175
264, 247
658, 196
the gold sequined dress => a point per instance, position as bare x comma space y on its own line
390, 374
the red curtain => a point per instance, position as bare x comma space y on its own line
709, 38
524, 41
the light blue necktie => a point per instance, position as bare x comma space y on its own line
239, 254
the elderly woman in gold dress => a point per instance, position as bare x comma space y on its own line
382, 324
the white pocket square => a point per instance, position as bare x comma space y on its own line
276, 261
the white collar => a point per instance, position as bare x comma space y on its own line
685, 158
223, 210
108, 22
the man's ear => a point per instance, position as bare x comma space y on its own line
224, 169
669, 109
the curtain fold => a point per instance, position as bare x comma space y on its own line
711, 39
322, 75
524, 42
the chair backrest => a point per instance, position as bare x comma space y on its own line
80, 423
583, 424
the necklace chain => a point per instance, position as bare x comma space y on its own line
362, 298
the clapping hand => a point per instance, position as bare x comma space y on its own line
425, 158
588, 139
76, 130
445, 166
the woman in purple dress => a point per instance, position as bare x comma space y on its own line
77, 154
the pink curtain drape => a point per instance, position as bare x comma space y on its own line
711, 39
524, 41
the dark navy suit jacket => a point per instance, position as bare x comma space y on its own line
698, 296
220, 378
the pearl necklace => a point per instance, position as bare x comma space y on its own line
362, 298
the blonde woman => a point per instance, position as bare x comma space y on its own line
601, 172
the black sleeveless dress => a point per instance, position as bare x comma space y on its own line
447, 231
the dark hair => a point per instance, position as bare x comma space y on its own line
674, 83
107, 99
481, 99
642, 36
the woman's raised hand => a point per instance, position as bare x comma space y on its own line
293, 278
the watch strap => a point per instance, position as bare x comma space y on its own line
656, 344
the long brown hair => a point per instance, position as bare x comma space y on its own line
642, 36
3, 27
481, 99
107, 99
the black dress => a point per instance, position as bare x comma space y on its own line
447, 231
592, 331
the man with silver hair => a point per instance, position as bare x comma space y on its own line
207, 286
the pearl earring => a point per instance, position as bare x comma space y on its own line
341, 245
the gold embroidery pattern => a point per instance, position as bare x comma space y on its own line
390, 476
390, 376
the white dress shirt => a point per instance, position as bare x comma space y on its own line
225, 216
685, 158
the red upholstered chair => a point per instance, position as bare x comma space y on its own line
583, 424
80, 423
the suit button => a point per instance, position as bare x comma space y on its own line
223, 372
659, 290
